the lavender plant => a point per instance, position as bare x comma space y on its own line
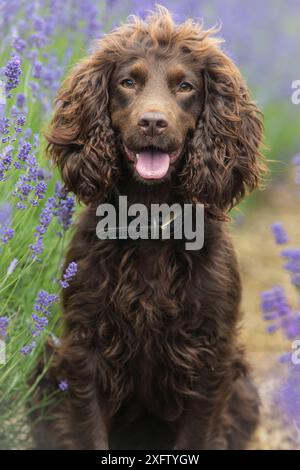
38, 41
281, 316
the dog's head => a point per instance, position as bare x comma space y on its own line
164, 100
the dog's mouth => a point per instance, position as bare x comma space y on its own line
151, 162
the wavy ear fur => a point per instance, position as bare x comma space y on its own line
223, 160
80, 138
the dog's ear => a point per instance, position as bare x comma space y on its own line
80, 137
223, 159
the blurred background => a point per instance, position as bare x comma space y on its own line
40, 41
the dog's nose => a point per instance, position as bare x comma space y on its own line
153, 123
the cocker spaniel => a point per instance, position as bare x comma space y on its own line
149, 345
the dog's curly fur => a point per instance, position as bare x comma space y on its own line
149, 345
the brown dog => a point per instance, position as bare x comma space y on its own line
158, 113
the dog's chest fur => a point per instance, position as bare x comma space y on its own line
156, 335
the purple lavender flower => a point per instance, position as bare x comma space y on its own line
288, 396
291, 325
65, 207
26, 350
6, 232
4, 125
5, 216
22, 190
43, 301
4, 324
45, 219
41, 307
32, 168
293, 265
12, 72
63, 385
277, 310
24, 151
285, 358
280, 235
274, 303
21, 119
20, 100
38, 39
37, 69
25, 188
14, 111
46, 216
43, 175
19, 45
8, 235
35, 89
27, 133
36, 140
40, 190
5, 162
32, 55
37, 248
69, 275
39, 324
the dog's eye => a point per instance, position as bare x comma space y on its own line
128, 83
185, 86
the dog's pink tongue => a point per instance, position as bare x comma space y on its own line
152, 165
